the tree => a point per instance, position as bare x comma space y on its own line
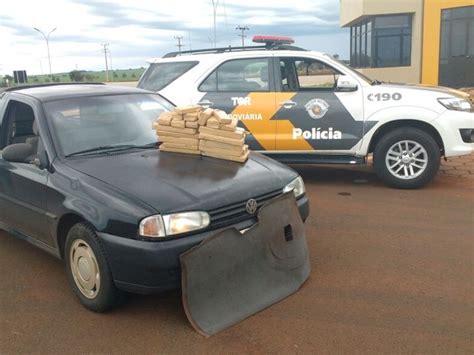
124, 75
76, 75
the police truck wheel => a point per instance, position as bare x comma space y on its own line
406, 158
88, 271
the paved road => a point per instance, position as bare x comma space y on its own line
392, 272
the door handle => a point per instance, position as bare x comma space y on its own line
288, 104
206, 103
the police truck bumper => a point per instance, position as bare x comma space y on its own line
456, 130
149, 267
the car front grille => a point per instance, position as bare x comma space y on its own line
237, 212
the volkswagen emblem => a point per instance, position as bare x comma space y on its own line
251, 206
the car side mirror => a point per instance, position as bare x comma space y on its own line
17, 153
346, 83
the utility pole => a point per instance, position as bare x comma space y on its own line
215, 3
46, 38
106, 50
242, 30
179, 45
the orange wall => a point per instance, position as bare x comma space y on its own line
431, 36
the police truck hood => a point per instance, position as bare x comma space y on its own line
172, 182
440, 90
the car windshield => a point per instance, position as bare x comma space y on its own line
97, 123
353, 71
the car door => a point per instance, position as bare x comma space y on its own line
312, 115
245, 89
22, 185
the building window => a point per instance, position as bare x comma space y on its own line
381, 41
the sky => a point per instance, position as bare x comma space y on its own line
138, 29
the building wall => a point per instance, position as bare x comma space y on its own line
431, 36
353, 11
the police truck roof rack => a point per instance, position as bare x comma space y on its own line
270, 43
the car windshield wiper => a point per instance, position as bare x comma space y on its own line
376, 82
113, 148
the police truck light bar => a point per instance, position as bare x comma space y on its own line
273, 40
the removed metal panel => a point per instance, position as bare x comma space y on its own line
231, 276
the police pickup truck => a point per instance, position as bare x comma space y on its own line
306, 107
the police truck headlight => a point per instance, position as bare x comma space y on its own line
456, 103
177, 223
297, 185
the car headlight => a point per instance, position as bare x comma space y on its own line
297, 185
177, 223
456, 103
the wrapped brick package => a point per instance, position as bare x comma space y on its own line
192, 130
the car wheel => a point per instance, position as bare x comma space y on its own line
88, 271
406, 158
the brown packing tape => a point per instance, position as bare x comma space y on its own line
177, 124
181, 145
213, 123
190, 124
210, 137
192, 117
217, 132
240, 159
223, 152
178, 140
231, 126
187, 109
165, 118
176, 116
174, 135
218, 145
222, 117
204, 116
163, 148
176, 130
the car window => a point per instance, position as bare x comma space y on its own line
18, 126
90, 122
239, 75
310, 74
159, 75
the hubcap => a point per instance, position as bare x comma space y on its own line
406, 159
84, 268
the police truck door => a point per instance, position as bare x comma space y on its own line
244, 89
312, 115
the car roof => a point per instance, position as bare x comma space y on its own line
200, 56
46, 93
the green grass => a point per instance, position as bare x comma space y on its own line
94, 76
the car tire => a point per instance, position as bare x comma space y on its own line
406, 158
88, 270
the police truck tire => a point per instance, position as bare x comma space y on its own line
406, 158
88, 271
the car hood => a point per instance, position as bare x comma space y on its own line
171, 182
439, 90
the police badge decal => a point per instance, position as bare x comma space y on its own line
317, 108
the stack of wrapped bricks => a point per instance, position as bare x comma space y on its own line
178, 130
210, 132
219, 136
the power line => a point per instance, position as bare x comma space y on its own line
106, 51
179, 44
242, 30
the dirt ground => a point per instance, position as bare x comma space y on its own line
392, 272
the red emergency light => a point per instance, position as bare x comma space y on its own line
273, 40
